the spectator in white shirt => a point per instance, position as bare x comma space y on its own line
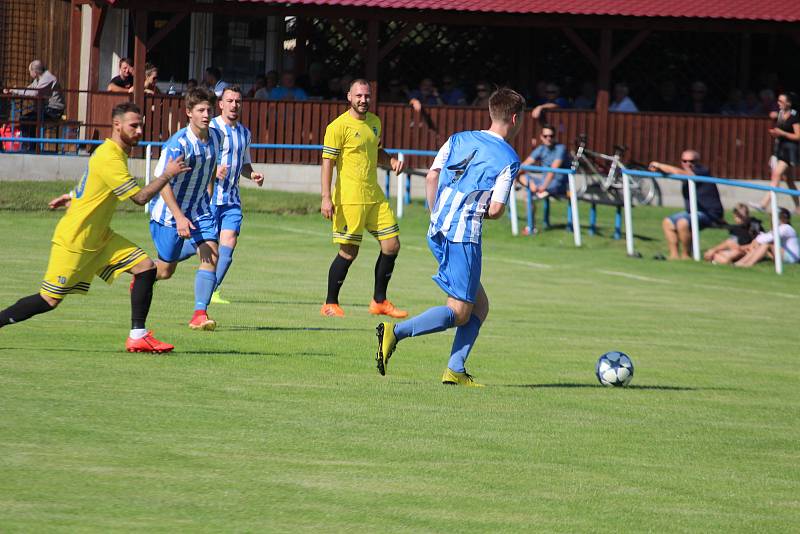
622, 102
764, 244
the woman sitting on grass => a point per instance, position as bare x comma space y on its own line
741, 234
762, 246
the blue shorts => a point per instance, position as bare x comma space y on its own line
558, 187
704, 220
459, 267
227, 217
169, 243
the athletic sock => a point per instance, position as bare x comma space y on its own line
24, 309
204, 283
223, 263
137, 333
466, 335
336, 276
188, 250
432, 320
141, 297
383, 272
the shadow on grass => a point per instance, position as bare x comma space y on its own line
599, 231
637, 387
316, 303
246, 328
249, 353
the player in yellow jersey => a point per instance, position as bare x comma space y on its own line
352, 145
84, 245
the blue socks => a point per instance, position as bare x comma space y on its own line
223, 263
433, 320
204, 284
189, 249
462, 344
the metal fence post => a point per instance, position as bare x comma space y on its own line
626, 202
776, 237
512, 212
148, 158
694, 221
573, 207
400, 192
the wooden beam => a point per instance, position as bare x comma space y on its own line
176, 19
354, 43
582, 47
94, 51
139, 55
396, 40
373, 30
603, 82
632, 45
98, 23
74, 76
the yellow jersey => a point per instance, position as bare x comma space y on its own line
354, 144
86, 224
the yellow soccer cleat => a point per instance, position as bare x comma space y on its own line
451, 378
216, 298
386, 345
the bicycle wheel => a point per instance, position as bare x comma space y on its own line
644, 190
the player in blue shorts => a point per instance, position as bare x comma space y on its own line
470, 180
180, 218
226, 204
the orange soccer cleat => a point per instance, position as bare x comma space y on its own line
147, 344
387, 308
201, 321
331, 310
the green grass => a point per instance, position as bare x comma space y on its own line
278, 421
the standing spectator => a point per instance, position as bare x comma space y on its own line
764, 243
741, 234
677, 227
122, 82
588, 97
699, 102
482, 94
622, 102
451, 94
150, 79
214, 81
270, 83
666, 99
550, 153
427, 93
44, 85
786, 147
287, 90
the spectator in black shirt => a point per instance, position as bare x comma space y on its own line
677, 227
123, 82
786, 150
741, 234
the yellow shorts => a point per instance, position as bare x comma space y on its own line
350, 220
72, 272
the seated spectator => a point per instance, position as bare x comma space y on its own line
451, 94
666, 99
213, 79
287, 90
482, 94
122, 82
150, 79
763, 245
622, 103
553, 100
741, 234
427, 93
699, 102
677, 227
270, 83
549, 153
588, 97
314, 83
44, 85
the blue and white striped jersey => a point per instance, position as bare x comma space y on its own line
477, 167
235, 155
191, 187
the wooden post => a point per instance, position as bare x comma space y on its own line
300, 51
603, 83
74, 76
373, 51
98, 20
139, 55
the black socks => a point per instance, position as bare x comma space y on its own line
336, 276
141, 297
25, 308
383, 273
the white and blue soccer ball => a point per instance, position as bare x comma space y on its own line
614, 369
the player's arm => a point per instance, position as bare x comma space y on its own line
666, 168
182, 223
501, 191
326, 206
248, 172
386, 160
61, 201
171, 169
432, 178
331, 151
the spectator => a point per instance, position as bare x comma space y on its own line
451, 94
588, 97
786, 147
150, 79
259, 84
666, 99
314, 83
394, 92
677, 227
741, 234
214, 81
427, 93
763, 245
122, 82
44, 85
622, 102
287, 90
482, 93
550, 153
699, 102
270, 83
734, 104
553, 100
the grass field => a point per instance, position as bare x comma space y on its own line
278, 421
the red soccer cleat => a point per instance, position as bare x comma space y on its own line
387, 308
201, 321
147, 344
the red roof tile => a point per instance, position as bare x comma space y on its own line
774, 10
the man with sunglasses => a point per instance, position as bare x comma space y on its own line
677, 227
549, 153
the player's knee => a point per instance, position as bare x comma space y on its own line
142, 266
52, 302
165, 270
348, 252
391, 247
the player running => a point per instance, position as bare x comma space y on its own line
470, 180
84, 245
180, 218
226, 204
352, 144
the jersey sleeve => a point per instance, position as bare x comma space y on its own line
504, 183
441, 156
333, 142
116, 176
560, 153
246, 159
536, 154
170, 152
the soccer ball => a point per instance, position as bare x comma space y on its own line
614, 369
